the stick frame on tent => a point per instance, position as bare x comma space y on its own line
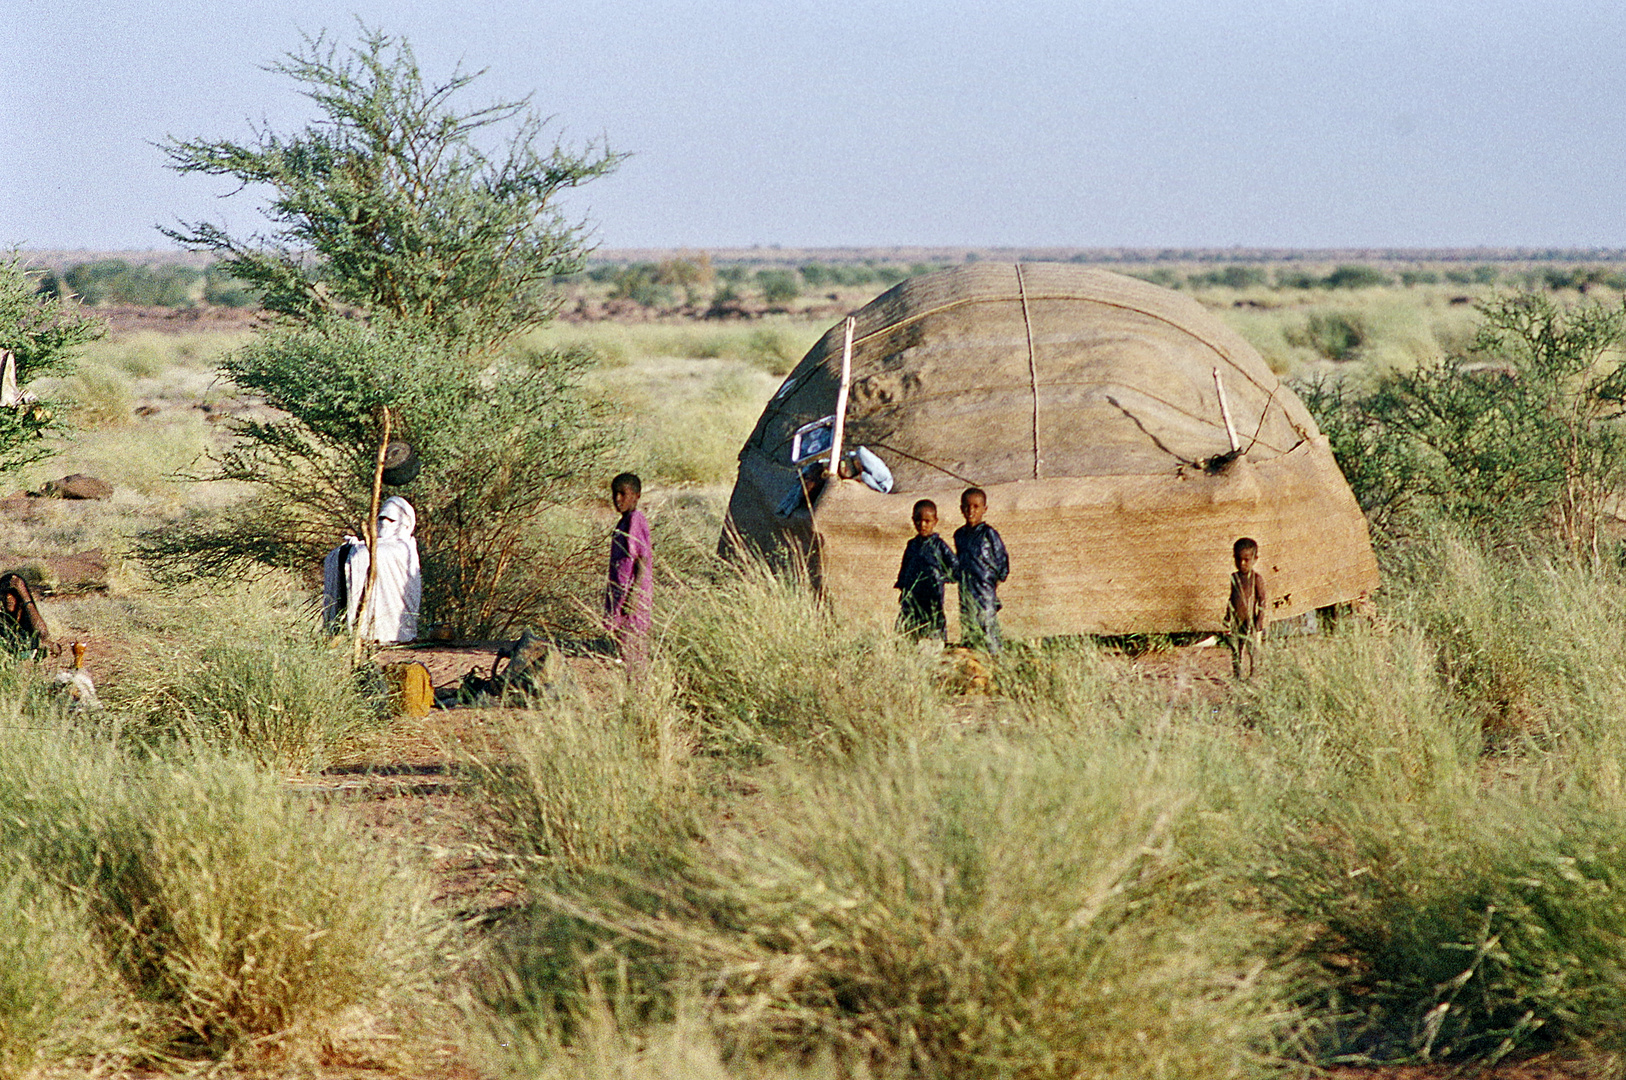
840, 430
1225, 413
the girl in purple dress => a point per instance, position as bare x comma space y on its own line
627, 598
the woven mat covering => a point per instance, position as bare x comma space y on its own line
1122, 555
1084, 401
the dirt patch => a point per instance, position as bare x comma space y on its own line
180, 320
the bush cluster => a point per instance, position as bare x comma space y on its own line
173, 905
1517, 437
116, 281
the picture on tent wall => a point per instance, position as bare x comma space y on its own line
812, 439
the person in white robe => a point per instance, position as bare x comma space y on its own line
392, 607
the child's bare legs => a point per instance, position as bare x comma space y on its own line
1244, 643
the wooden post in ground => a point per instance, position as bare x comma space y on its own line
370, 533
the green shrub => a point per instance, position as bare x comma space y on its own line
1364, 710
227, 918
640, 283
771, 349
1294, 278
1519, 437
1230, 277
1335, 335
582, 788
1356, 276
1463, 927
1158, 275
101, 397
1534, 648
223, 290
114, 281
778, 286
58, 999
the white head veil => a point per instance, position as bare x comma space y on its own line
396, 519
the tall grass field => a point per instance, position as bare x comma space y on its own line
788, 846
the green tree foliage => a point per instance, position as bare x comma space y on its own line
389, 205
500, 450
1520, 436
43, 333
404, 260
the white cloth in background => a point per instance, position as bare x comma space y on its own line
873, 471
392, 607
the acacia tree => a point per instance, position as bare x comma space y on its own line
387, 206
42, 333
403, 260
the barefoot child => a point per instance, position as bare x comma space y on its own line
981, 565
927, 564
627, 597
1245, 614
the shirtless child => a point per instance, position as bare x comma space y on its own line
1245, 613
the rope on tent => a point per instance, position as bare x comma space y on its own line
1033, 366
1133, 419
966, 480
1263, 414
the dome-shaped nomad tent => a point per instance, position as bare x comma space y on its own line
1086, 404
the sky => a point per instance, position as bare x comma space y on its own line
1138, 123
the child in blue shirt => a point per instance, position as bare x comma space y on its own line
927, 564
981, 564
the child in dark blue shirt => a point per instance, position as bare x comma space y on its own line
927, 564
981, 565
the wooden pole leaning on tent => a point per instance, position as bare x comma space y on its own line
1225, 411
840, 428
370, 533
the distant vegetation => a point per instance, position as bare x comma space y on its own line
697, 283
116, 281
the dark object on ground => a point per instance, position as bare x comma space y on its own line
401, 463
535, 668
22, 628
78, 486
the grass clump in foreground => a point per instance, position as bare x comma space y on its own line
760, 662
246, 671
871, 892
202, 912
982, 907
1345, 861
